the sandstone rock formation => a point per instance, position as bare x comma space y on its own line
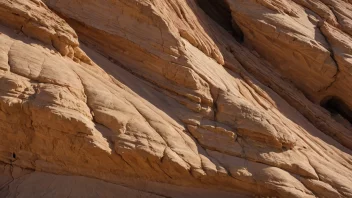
175, 98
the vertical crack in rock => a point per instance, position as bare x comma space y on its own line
332, 55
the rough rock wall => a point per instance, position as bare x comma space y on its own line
131, 91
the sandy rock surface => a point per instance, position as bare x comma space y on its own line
176, 98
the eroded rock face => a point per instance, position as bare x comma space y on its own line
164, 98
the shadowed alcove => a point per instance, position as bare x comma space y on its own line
220, 12
337, 107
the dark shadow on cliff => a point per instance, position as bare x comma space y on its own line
219, 11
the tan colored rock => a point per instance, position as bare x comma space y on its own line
157, 98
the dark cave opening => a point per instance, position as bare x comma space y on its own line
337, 107
220, 12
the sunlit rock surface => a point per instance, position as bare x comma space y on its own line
176, 98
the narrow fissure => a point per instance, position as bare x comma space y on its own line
220, 12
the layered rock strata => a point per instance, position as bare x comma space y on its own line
134, 97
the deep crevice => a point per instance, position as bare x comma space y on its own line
220, 12
337, 108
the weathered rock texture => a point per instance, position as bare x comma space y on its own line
175, 98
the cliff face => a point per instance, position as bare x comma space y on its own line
176, 98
